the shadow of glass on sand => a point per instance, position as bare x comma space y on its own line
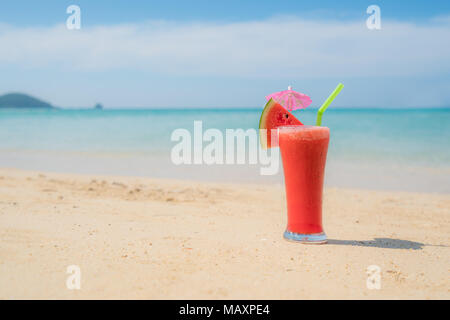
382, 243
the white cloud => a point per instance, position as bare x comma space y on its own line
279, 47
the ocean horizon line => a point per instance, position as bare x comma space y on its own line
336, 108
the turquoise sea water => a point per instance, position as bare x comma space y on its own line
362, 138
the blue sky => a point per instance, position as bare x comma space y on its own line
226, 53
48, 12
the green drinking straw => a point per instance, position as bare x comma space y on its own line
327, 103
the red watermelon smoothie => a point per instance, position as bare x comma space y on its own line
304, 153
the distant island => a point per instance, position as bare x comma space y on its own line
22, 101
25, 101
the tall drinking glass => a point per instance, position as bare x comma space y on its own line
304, 153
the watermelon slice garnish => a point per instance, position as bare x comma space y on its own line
273, 116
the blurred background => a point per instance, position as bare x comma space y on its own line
105, 97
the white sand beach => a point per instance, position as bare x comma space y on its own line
165, 239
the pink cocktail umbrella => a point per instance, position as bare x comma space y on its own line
290, 99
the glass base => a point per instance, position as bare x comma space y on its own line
315, 238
